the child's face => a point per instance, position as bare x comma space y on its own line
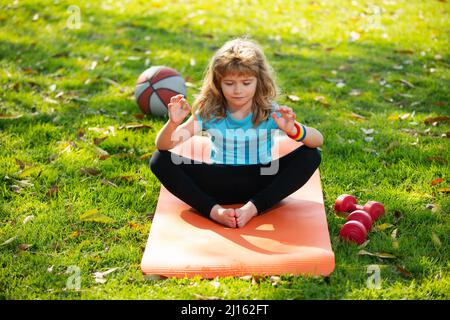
238, 89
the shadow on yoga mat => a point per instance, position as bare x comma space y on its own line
290, 238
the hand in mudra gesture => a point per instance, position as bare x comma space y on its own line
178, 108
287, 119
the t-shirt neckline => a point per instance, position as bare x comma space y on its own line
233, 119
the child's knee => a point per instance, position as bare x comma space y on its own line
311, 156
158, 160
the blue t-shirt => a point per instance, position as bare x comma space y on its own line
236, 142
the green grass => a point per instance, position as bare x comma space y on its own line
399, 64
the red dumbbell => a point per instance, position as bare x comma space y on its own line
358, 225
363, 217
354, 231
347, 203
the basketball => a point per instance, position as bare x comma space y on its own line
154, 88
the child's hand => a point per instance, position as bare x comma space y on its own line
287, 119
179, 108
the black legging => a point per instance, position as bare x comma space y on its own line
202, 185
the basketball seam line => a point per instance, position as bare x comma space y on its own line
173, 75
156, 92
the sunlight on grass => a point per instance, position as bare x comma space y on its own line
369, 76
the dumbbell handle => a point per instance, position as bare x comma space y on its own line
356, 207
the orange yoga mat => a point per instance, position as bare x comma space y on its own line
290, 238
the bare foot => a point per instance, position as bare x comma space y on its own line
223, 216
245, 213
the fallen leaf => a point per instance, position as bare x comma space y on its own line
256, 278
28, 218
355, 92
354, 36
357, 116
394, 117
24, 246
403, 271
406, 83
93, 65
20, 164
382, 255
104, 156
405, 116
202, 297
24, 183
75, 234
367, 131
404, 51
395, 244
364, 244
99, 276
139, 116
114, 83
437, 159
440, 104
51, 101
436, 181
52, 191
98, 141
293, 98
108, 183
274, 280
126, 178
444, 190
101, 152
322, 100
8, 241
382, 227
28, 172
90, 171
133, 58
134, 126
145, 156
432, 120
95, 216
10, 116
436, 239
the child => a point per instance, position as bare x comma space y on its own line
237, 94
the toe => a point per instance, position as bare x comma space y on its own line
230, 213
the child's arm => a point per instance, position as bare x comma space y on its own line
173, 131
172, 134
313, 137
286, 122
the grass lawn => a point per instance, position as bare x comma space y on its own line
373, 77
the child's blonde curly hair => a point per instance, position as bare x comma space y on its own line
243, 57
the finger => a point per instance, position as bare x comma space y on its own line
173, 99
185, 104
176, 98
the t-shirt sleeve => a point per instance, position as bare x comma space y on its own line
199, 120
